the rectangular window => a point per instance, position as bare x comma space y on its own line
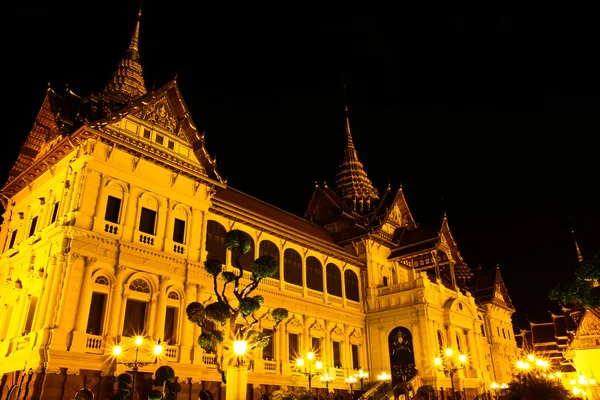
482, 331
33, 226
13, 237
147, 221
159, 139
146, 133
268, 349
355, 362
171, 145
113, 208
96, 315
316, 346
55, 212
503, 333
31, 314
135, 318
171, 326
293, 346
178, 230
337, 359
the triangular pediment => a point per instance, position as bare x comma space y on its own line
587, 335
161, 121
398, 214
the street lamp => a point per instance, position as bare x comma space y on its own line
449, 365
351, 380
384, 378
310, 369
583, 386
361, 376
239, 348
327, 378
137, 364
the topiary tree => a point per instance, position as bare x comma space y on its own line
236, 318
124, 388
529, 386
165, 377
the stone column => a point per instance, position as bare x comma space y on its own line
281, 268
196, 349
116, 302
187, 339
473, 349
55, 291
150, 331
85, 299
161, 309
49, 272
15, 323
306, 343
328, 358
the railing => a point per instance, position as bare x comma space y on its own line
172, 353
270, 366
398, 287
94, 344
314, 293
147, 239
209, 359
111, 228
293, 288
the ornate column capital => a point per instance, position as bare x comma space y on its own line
163, 279
89, 261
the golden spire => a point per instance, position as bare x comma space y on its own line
127, 82
579, 256
352, 181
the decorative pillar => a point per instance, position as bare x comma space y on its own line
116, 301
85, 299
281, 267
187, 338
14, 325
150, 331
472, 349
161, 309
306, 343
54, 293
49, 273
197, 350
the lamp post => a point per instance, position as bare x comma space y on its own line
583, 387
384, 378
137, 364
351, 380
327, 378
311, 368
239, 348
449, 365
361, 377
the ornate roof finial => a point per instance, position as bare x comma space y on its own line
127, 82
352, 181
579, 256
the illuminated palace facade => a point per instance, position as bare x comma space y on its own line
114, 203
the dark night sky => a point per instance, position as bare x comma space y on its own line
494, 119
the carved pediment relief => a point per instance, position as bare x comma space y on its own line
161, 113
356, 334
395, 217
590, 326
294, 323
317, 328
337, 331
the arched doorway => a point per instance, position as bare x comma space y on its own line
402, 356
84, 394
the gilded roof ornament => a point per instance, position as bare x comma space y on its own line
127, 82
352, 181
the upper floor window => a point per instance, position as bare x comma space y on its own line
179, 231
351, 285
292, 267
113, 209
33, 225
54, 212
215, 241
147, 221
314, 274
268, 248
334, 280
13, 237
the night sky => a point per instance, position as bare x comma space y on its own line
493, 119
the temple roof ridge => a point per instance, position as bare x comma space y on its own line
127, 81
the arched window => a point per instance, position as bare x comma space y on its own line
215, 241
97, 313
334, 280
292, 267
314, 274
136, 310
172, 317
268, 248
246, 260
351, 284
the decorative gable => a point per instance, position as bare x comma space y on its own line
159, 111
587, 335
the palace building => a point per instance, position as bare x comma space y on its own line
114, 203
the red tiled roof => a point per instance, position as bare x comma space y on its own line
266, 210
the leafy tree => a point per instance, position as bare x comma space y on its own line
124, 388
583, 291
237, 320
528, 386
